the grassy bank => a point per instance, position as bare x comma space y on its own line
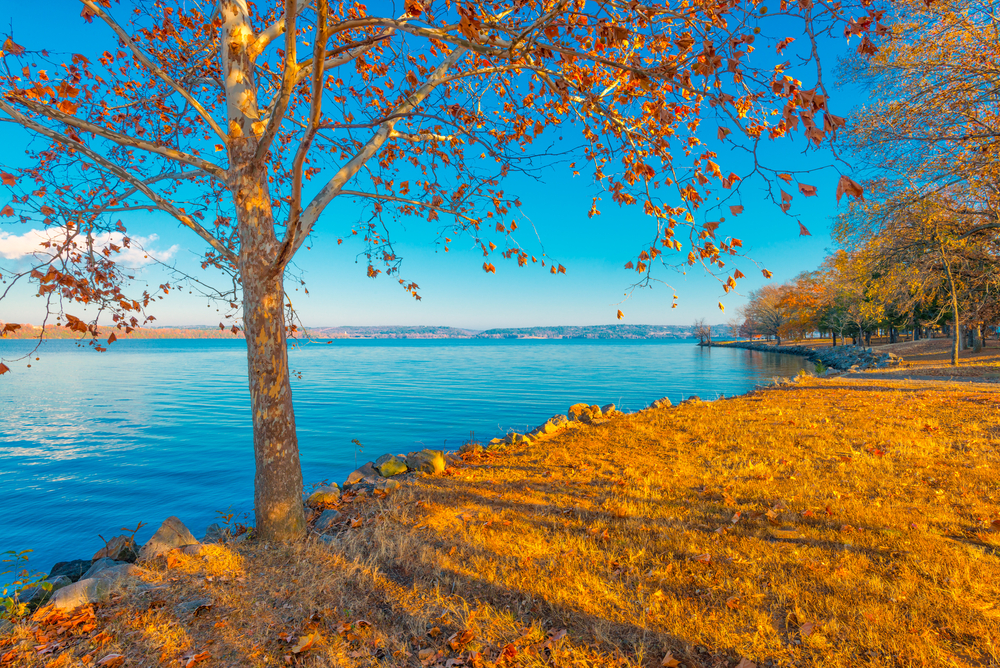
834, 523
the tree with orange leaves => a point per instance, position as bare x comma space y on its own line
249, 123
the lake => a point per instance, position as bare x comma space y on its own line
93, 442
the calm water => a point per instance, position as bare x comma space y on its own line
93, 442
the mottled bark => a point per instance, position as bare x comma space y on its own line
278, 479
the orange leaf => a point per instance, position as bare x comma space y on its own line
304, 643
848, 187
196, 658
13, 48
8, 179
785, 177
808, 191
67, 107
803, 232
620, 314
736, 210
7, 212
766, 273
111, 660
3, 368
669, 661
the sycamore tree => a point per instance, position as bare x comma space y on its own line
252, 124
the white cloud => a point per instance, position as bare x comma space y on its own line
139, 252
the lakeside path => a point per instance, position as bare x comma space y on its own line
835, 522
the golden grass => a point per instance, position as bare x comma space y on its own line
823, 523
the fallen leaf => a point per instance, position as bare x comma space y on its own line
304, 643
733, 602
806, 629
196, 658
111, 660
703, 558
669, 661
459, 639
746, 663
434, 632
356, 522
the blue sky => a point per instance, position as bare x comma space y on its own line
455, 290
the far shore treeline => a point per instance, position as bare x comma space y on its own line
27, 331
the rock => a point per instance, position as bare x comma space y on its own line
328, 494
189, 550
452, 459
388, 485
392, 466
472, 447
426, 461
74, 570
119, 548
595, 411
193, 605
662, 403
172, 533
579, 413
327, 539
327, 520
115, 573
366, 473
84, 592
694, 398
608, 409
43, 591
215, 534
496, 444
242, 537
383, 459
99, 566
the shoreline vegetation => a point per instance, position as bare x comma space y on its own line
839, 520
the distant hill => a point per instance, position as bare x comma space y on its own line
390, 332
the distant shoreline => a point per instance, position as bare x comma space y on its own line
592, 332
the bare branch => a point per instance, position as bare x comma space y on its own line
414, 202
275, 30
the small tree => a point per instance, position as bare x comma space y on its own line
702, 332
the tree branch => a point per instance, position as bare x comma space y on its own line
127, 40
345, 173
123, 140
288, 77
162, 203
275, 30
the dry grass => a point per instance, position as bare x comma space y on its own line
822, 523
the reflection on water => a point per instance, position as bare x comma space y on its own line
93, 442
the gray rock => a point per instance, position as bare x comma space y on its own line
74, 570
328, 494
364, 474
328, 539
192, 606
172, 533
120, 571
99, 566
43, 591
84, 592
608, 409
388, 485
242, 537
426, 461
326, 520
662, 403
391, 466
119, 548
383, 459
215, 534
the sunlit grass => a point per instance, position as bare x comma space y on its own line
832, 523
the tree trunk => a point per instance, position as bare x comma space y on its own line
977, 339
954, 310
834, 339
278, 479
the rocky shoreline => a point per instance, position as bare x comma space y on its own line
841, 358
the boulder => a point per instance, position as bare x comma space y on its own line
120, 571
99, 566
172, 533
388, 485
326, 495
189, 550
608, 409
392, 466
579, 413
558, 421
84, 592
215, 534
496, 444
119, 548
595, 411
74, 570
40, 593
366, 473
327, 520
426, 461
661, 403
472, 447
